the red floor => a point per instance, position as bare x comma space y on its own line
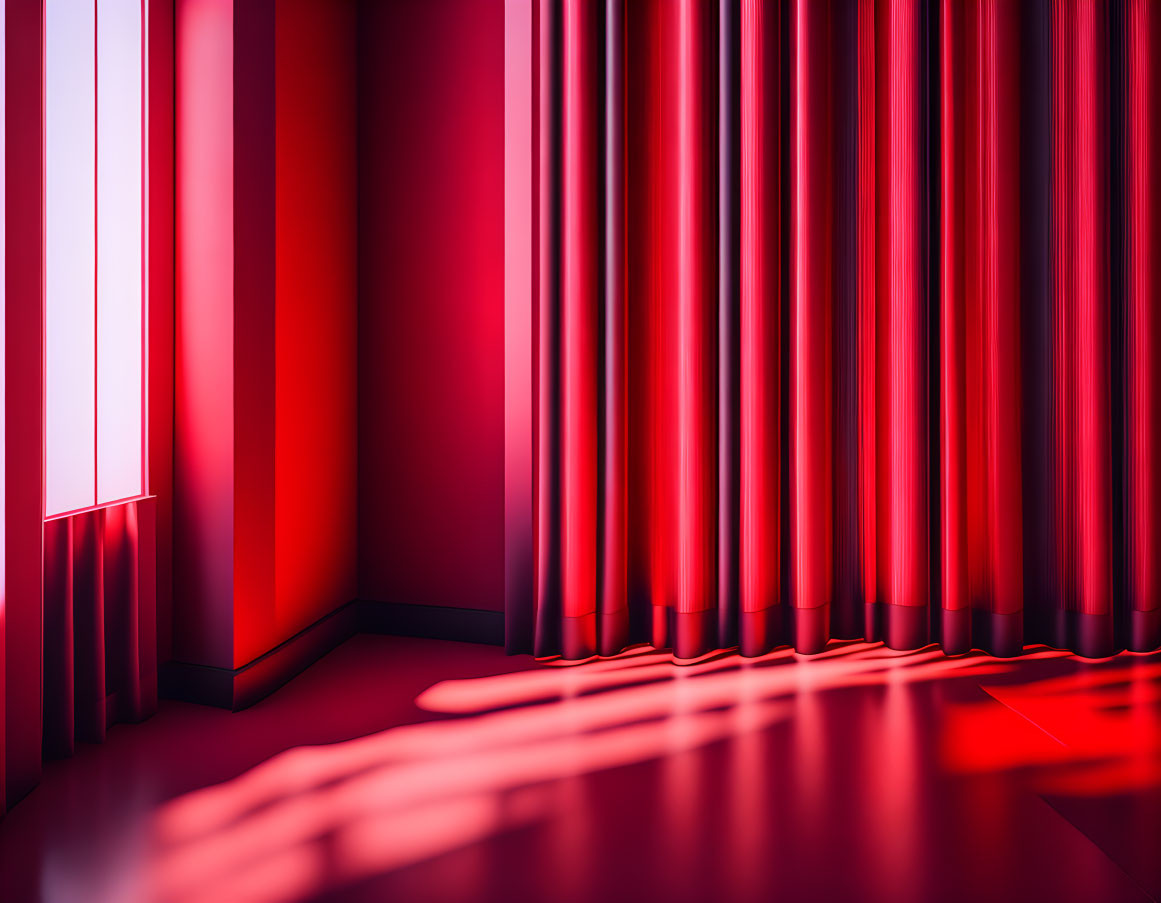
453, 772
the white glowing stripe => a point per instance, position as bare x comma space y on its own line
119, 414
93, 252
70, 255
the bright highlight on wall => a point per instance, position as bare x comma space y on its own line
94, 405
3, 298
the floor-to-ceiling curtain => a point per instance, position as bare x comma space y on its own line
845, 324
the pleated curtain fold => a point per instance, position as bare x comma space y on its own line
845, 325
100, 623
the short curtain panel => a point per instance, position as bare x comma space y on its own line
845, 324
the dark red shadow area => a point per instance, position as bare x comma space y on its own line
419, 770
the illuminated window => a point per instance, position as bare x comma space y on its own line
94, 321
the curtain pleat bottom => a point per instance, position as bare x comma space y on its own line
847, 619
578, 635
691, 635
811, 629
906, 626
1002, 635
872, 622
692, 632
956, 630
761, 631
100, 661
1144, 630
614, 631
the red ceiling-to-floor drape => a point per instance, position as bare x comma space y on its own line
845, 325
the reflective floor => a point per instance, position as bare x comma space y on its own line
401, 769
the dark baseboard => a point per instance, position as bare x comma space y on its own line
433, 622
241, 687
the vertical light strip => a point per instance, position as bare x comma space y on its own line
905, 577
70, 254
696, 333
1091, 300
3, 305
580, 297
866, 243
519, 270
760, 313
1143, 404
812, 312
952, 401
119, 308
613, 624
689, 513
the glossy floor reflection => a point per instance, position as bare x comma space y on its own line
418, 770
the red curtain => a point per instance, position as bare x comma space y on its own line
845, 325
100, 623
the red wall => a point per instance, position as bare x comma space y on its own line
431, 302
22, 455
265, 427
315, 348
204, 340
160, 86
338, 368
